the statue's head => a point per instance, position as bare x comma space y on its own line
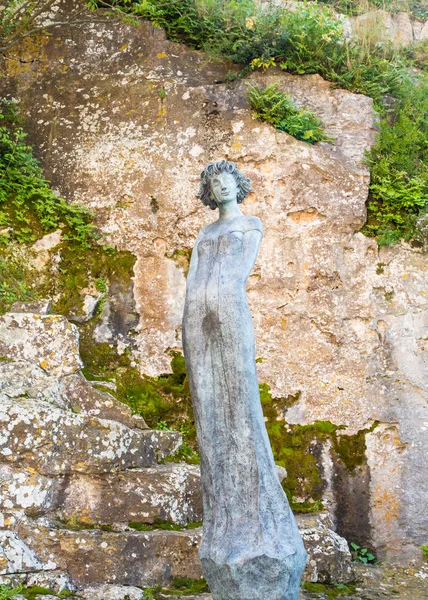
222, 182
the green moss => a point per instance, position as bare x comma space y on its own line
184, 586
16, 278
81, 268
298, 448
295, 448
380, 268
330, 591
164, 399
31, 592
75, 524
351, 449
138, 526
180, 586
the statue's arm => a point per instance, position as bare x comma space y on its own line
194, 261
251, 241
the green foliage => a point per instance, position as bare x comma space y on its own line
425, 551
101, 285
330, 591
6, 592
180, 586
28, 206
14, 284
184, 586
399, 168
272, 105
362, 554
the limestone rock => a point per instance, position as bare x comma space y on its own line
112, 592
39, 436
54, 580
26, 379
47, 242
165, 493
20, 489
49, 341
15, 555
41, 307
86, 399
329, 556
142, 558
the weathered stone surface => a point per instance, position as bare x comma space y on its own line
165, 493
40, 436
25, 379
329, 556
142, 558
85, 399
41, 307
381, 25
20, 489
49, 341
15, 555
112, 592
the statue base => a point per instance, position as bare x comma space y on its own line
258, 578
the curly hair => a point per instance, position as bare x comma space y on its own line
205, 194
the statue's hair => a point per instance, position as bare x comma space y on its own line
215, 168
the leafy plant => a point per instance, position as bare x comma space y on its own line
399, 168
425, 551
101, 285
362, 554
274, 106
28, 206
6, 592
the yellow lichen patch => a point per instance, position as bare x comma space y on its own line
20, 58
124, 47
162, 55
387, 503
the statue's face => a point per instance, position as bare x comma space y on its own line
224, 188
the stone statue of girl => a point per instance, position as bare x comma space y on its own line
251, 548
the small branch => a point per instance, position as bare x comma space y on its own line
39, 30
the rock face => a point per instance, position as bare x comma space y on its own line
399, 29
85, 506
340, 324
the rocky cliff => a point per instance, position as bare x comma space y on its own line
123, 122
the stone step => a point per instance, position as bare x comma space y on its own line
143, 559
165, 493
37, 435
151, 558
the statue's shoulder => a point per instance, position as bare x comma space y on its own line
247, 223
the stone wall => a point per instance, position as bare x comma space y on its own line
124, 122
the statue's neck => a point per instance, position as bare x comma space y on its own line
228, 210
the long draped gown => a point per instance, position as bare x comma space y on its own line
251, 548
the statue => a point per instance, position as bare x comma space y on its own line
251, 547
